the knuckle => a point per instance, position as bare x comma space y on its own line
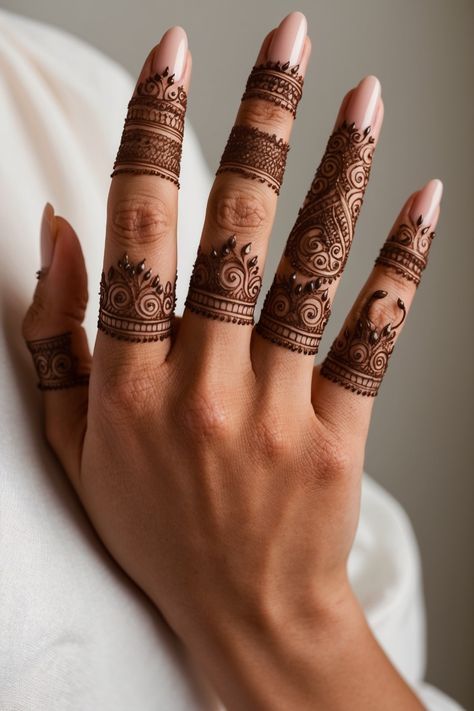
140, 219
204, 416
334, 460
124, 397
393, 282
237, 211
34, 316
265, 115
273, 439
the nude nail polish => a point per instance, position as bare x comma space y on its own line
288, 40
426, 202
171, 53
48, 235
362, 107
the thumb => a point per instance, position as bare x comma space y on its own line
52, 329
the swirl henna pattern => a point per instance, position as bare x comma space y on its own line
294, 315
319, 243
225, 283
134, 305
153, 132
55, 363
255, 154
406, 250
275, 82
358, 358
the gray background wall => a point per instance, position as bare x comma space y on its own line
421, 442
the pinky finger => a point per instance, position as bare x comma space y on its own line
351, 374
54, 335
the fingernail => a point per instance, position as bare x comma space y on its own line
288, 40
363, 104
171, 53
426, 202
48, 235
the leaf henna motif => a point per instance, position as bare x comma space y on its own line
358, 358
134, 305
319, 243
225, 283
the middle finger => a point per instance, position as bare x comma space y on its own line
227, 274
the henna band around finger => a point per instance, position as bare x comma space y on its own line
225, 283
275, 82
358, 358
153, 132
294, 315
134, 305
55, 363
406, 250
255, 154
319, 243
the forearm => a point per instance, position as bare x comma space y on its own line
330, 661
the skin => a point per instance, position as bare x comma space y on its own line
220, 471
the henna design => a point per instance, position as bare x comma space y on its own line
359, 357
225, 284
153, 131
406, 250
295, 315
319, 243
279, 83
255, 154
134, 305
55, 363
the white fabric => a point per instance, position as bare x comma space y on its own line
75, 634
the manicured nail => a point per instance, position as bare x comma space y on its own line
48, 235
426, 202
288, 40
363, 104
172, 53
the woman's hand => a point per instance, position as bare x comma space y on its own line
219, 467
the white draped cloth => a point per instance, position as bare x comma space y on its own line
75, 634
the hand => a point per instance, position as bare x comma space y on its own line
220, 468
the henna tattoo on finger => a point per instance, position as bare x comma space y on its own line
294, 315
255, 154
153, 131
275, 82
225, 283
358, 358
319, 243
55, 363
406, 249
134, 305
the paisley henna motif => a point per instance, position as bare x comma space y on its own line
279, 83
358, 358
225, 283
406, 250
294, 315
134, 305
153, 131
319, 243
55, 363
255, 154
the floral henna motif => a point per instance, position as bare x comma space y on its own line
279, 83
406, 250
153, 132
255, 154
134, 305
358, 358
319, 243
294, 315
225, 283
55, 363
